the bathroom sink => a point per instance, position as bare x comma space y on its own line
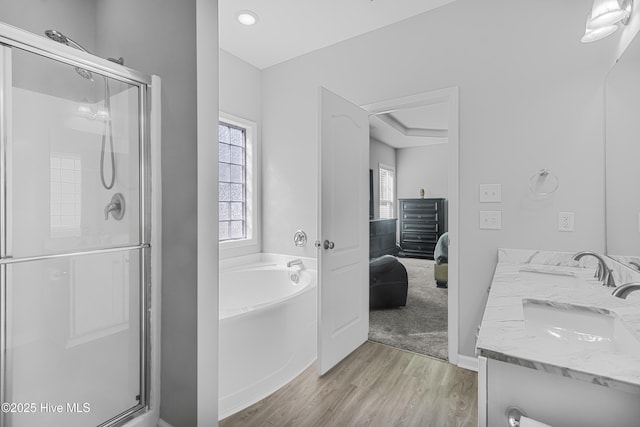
566, 327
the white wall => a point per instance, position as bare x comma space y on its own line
74, 18
137, 31
240, 88
379, 152
423, 167
528, 99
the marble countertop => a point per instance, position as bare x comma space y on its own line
503, 336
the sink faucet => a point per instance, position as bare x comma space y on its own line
293, 262
603, 273
624, 290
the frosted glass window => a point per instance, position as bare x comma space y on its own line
65, 196
224, 173
224, 153
223, 211
231, 181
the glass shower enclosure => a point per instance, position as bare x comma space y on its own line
75, 236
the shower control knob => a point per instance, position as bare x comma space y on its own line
115, 207
328, 245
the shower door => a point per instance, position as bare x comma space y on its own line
75, 252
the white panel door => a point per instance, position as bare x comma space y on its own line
343, 229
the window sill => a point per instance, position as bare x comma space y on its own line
236, 248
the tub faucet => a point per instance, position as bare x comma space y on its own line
624, 290
293, 262
603, 273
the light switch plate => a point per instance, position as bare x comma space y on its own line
565, 221
490, 193
490, 220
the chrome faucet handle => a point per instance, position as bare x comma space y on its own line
116, 207
111, 207
635, 264
300, 238
610, 282
598, 272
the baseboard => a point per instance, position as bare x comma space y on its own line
466, 362
163, 423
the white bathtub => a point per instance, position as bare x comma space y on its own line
268, 327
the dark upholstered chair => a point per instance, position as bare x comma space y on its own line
441, 255
388, 284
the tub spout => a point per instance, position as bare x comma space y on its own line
293, 262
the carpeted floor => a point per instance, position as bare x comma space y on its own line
420, 326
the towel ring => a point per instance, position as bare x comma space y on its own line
539, 180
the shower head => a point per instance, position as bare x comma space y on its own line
57, 36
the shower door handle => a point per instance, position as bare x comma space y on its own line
328, 245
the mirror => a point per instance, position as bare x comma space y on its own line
622, 148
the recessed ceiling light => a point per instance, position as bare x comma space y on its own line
246, 17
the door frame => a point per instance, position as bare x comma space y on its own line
450, 96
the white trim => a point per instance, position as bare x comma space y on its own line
207, 210
482, 391
468, 362
454, 224
449, 95
250, 245
155, 136
163, 423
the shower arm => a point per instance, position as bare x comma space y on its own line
73, 43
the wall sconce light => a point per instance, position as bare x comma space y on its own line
604, 18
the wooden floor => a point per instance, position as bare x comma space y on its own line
376, 385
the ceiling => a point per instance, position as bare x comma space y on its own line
411, 127
290, 28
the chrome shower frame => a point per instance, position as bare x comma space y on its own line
12, 37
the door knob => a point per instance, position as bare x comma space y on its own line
328, 245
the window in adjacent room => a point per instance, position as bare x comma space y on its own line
387, 180
237, 195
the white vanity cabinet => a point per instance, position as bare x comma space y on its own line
550, 398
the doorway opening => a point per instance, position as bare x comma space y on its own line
417, 137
